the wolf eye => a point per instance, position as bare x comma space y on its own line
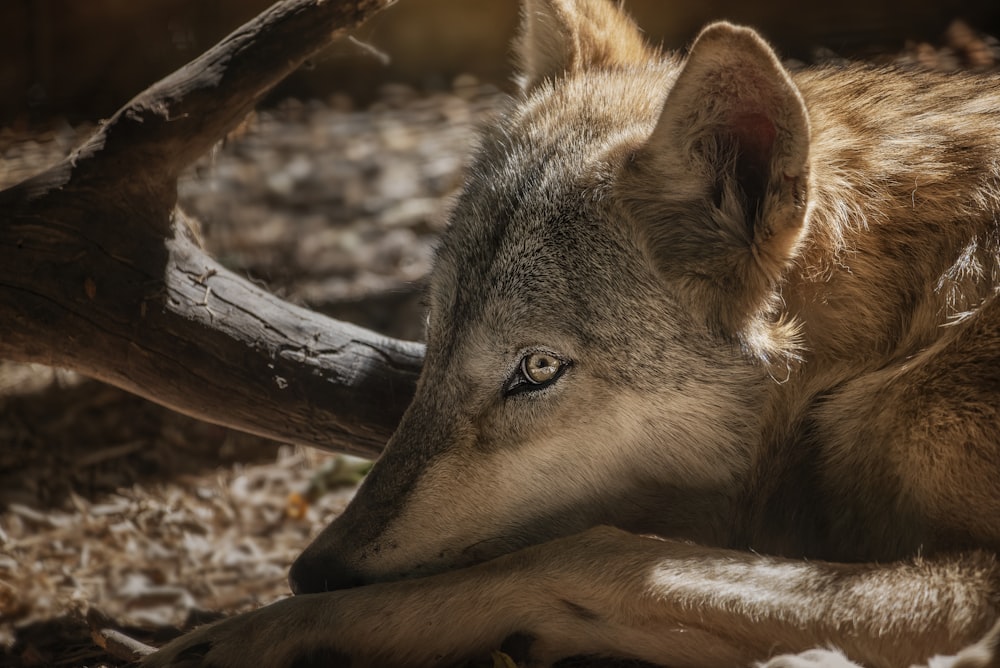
540, 368
537, 370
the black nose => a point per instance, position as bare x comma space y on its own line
314, 574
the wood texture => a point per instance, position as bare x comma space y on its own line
101, 273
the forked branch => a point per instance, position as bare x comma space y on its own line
100, 273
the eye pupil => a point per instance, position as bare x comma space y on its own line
541, 368
536, 371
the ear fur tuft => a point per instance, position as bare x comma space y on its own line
560, 37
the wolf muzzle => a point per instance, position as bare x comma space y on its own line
313, 575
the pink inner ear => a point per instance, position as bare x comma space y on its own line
755, 134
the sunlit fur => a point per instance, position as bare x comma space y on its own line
776, 296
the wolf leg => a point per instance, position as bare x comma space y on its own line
607, 592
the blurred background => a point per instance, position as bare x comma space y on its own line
84, 59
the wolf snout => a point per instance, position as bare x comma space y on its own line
314, 574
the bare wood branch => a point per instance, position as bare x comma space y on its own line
113, 641
99, 271
179, 118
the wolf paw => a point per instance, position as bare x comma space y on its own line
814, 658
261, 638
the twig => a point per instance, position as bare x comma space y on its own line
114, 642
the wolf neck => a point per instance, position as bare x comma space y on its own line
902, 238
902, 229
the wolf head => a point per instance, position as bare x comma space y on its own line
602, 312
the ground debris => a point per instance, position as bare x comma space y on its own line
156, 554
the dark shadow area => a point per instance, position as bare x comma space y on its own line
92, 439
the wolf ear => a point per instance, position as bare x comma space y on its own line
564, 36
722, 183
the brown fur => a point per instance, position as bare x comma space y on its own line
763, 306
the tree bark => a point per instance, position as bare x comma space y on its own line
101, 273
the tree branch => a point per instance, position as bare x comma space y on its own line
100, 273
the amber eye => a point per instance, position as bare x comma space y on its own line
539, 368
536, 371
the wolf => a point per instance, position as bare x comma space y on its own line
712, 378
